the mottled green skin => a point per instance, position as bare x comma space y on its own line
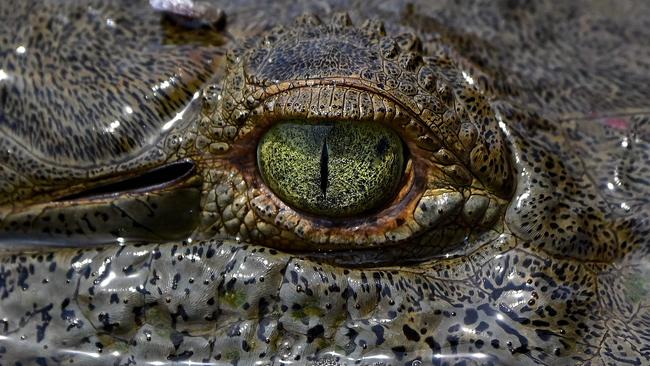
521, 233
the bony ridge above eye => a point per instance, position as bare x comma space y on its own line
332, 168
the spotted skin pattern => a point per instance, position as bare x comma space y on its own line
521, 235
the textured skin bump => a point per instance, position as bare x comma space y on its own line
521, 235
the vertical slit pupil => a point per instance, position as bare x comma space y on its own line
324, 170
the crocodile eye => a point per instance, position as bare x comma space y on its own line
317, 140
332, 168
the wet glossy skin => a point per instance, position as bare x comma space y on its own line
518, 236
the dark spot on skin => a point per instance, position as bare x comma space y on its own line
399, 351
210, 253
245, 346
184, 356
379, 334
411, 334
470, 316
315, 332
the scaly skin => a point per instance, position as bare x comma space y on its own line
505, 245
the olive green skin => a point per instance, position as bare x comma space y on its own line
521, 236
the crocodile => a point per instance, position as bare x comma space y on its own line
324, 183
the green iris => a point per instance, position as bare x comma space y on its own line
332, 168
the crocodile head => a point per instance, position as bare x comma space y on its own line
492, 244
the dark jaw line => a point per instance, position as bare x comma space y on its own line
152, 180
412, 253
373, 258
